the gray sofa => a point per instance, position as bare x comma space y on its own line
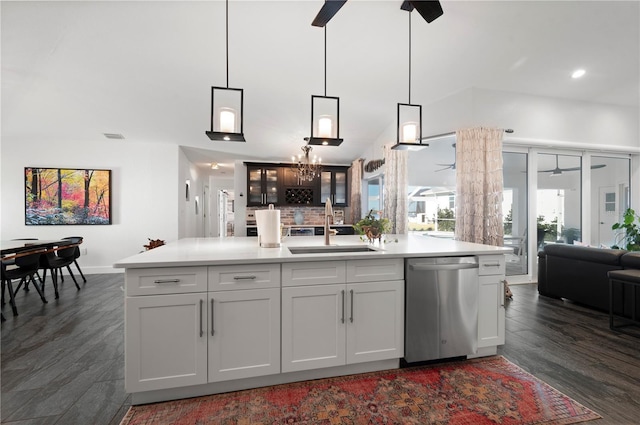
579, 274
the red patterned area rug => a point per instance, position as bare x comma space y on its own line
473, 392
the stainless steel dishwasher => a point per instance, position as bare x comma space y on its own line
441, 309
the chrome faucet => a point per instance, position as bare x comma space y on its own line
328, 212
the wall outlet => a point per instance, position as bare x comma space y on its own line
83, 251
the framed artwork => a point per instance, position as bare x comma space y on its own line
66, 196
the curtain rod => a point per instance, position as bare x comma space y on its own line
453, 133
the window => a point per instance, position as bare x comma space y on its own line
375, 195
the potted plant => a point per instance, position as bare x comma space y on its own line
371, 227
630, 239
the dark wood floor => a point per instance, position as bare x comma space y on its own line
62, 363
571, 348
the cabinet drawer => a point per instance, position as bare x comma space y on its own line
491, 264
170, 280
313, 273
377, 270
250, 276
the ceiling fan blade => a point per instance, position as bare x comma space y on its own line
430, 10
593, 167
442, 169
329, 8
406, 5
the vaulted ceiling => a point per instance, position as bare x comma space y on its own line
76, 70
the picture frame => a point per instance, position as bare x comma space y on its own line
67, 196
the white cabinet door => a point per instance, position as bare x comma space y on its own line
375, 321
165, 341
313, 328
491, 311
244, 334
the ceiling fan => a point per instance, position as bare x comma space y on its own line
448, 166
558, 171
430, 10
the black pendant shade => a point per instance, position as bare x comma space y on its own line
325, 121
227, 104
227, 112
409, 117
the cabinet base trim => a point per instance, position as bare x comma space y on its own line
261, 381
483, 352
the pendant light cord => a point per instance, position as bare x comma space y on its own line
409, 57
325, 60
226, 11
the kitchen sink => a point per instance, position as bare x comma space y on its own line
327, 249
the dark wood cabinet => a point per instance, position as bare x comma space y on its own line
278, 184
263, 185
333, 185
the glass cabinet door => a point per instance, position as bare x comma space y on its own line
271, 185
340, 195
325, 186
255, 186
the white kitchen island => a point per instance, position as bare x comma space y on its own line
211, 315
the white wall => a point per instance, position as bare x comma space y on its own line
190, 224
143, 191
545, 118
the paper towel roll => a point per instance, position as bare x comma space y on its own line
268, 222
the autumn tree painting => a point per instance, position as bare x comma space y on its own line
67, 196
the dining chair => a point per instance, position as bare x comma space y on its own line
76, 240
24, 268
55, 263
26, 286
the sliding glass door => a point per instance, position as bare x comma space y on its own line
609, 197
515, 211
559, 199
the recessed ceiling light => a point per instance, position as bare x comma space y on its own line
113, 136
578, 73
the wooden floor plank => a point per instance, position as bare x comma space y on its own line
63, 362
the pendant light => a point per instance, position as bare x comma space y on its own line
227, 120
325, 113
409, 124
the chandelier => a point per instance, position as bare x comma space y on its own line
306, 168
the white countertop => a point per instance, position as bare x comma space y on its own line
245, 250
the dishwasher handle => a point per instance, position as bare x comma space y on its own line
443, 266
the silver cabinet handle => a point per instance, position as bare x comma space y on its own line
342, 318
351, 317
212, 317
504, 293
201, 331
160, 281
251, 277
491, 265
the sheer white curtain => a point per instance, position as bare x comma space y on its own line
395, 189
479, 186
356, 190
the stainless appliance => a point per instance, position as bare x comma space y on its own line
301, 231
441, 311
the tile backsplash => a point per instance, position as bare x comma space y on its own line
313, 216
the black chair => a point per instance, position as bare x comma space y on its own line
25, 267
76, 240
55, 263
10, 261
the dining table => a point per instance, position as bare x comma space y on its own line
22, 246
